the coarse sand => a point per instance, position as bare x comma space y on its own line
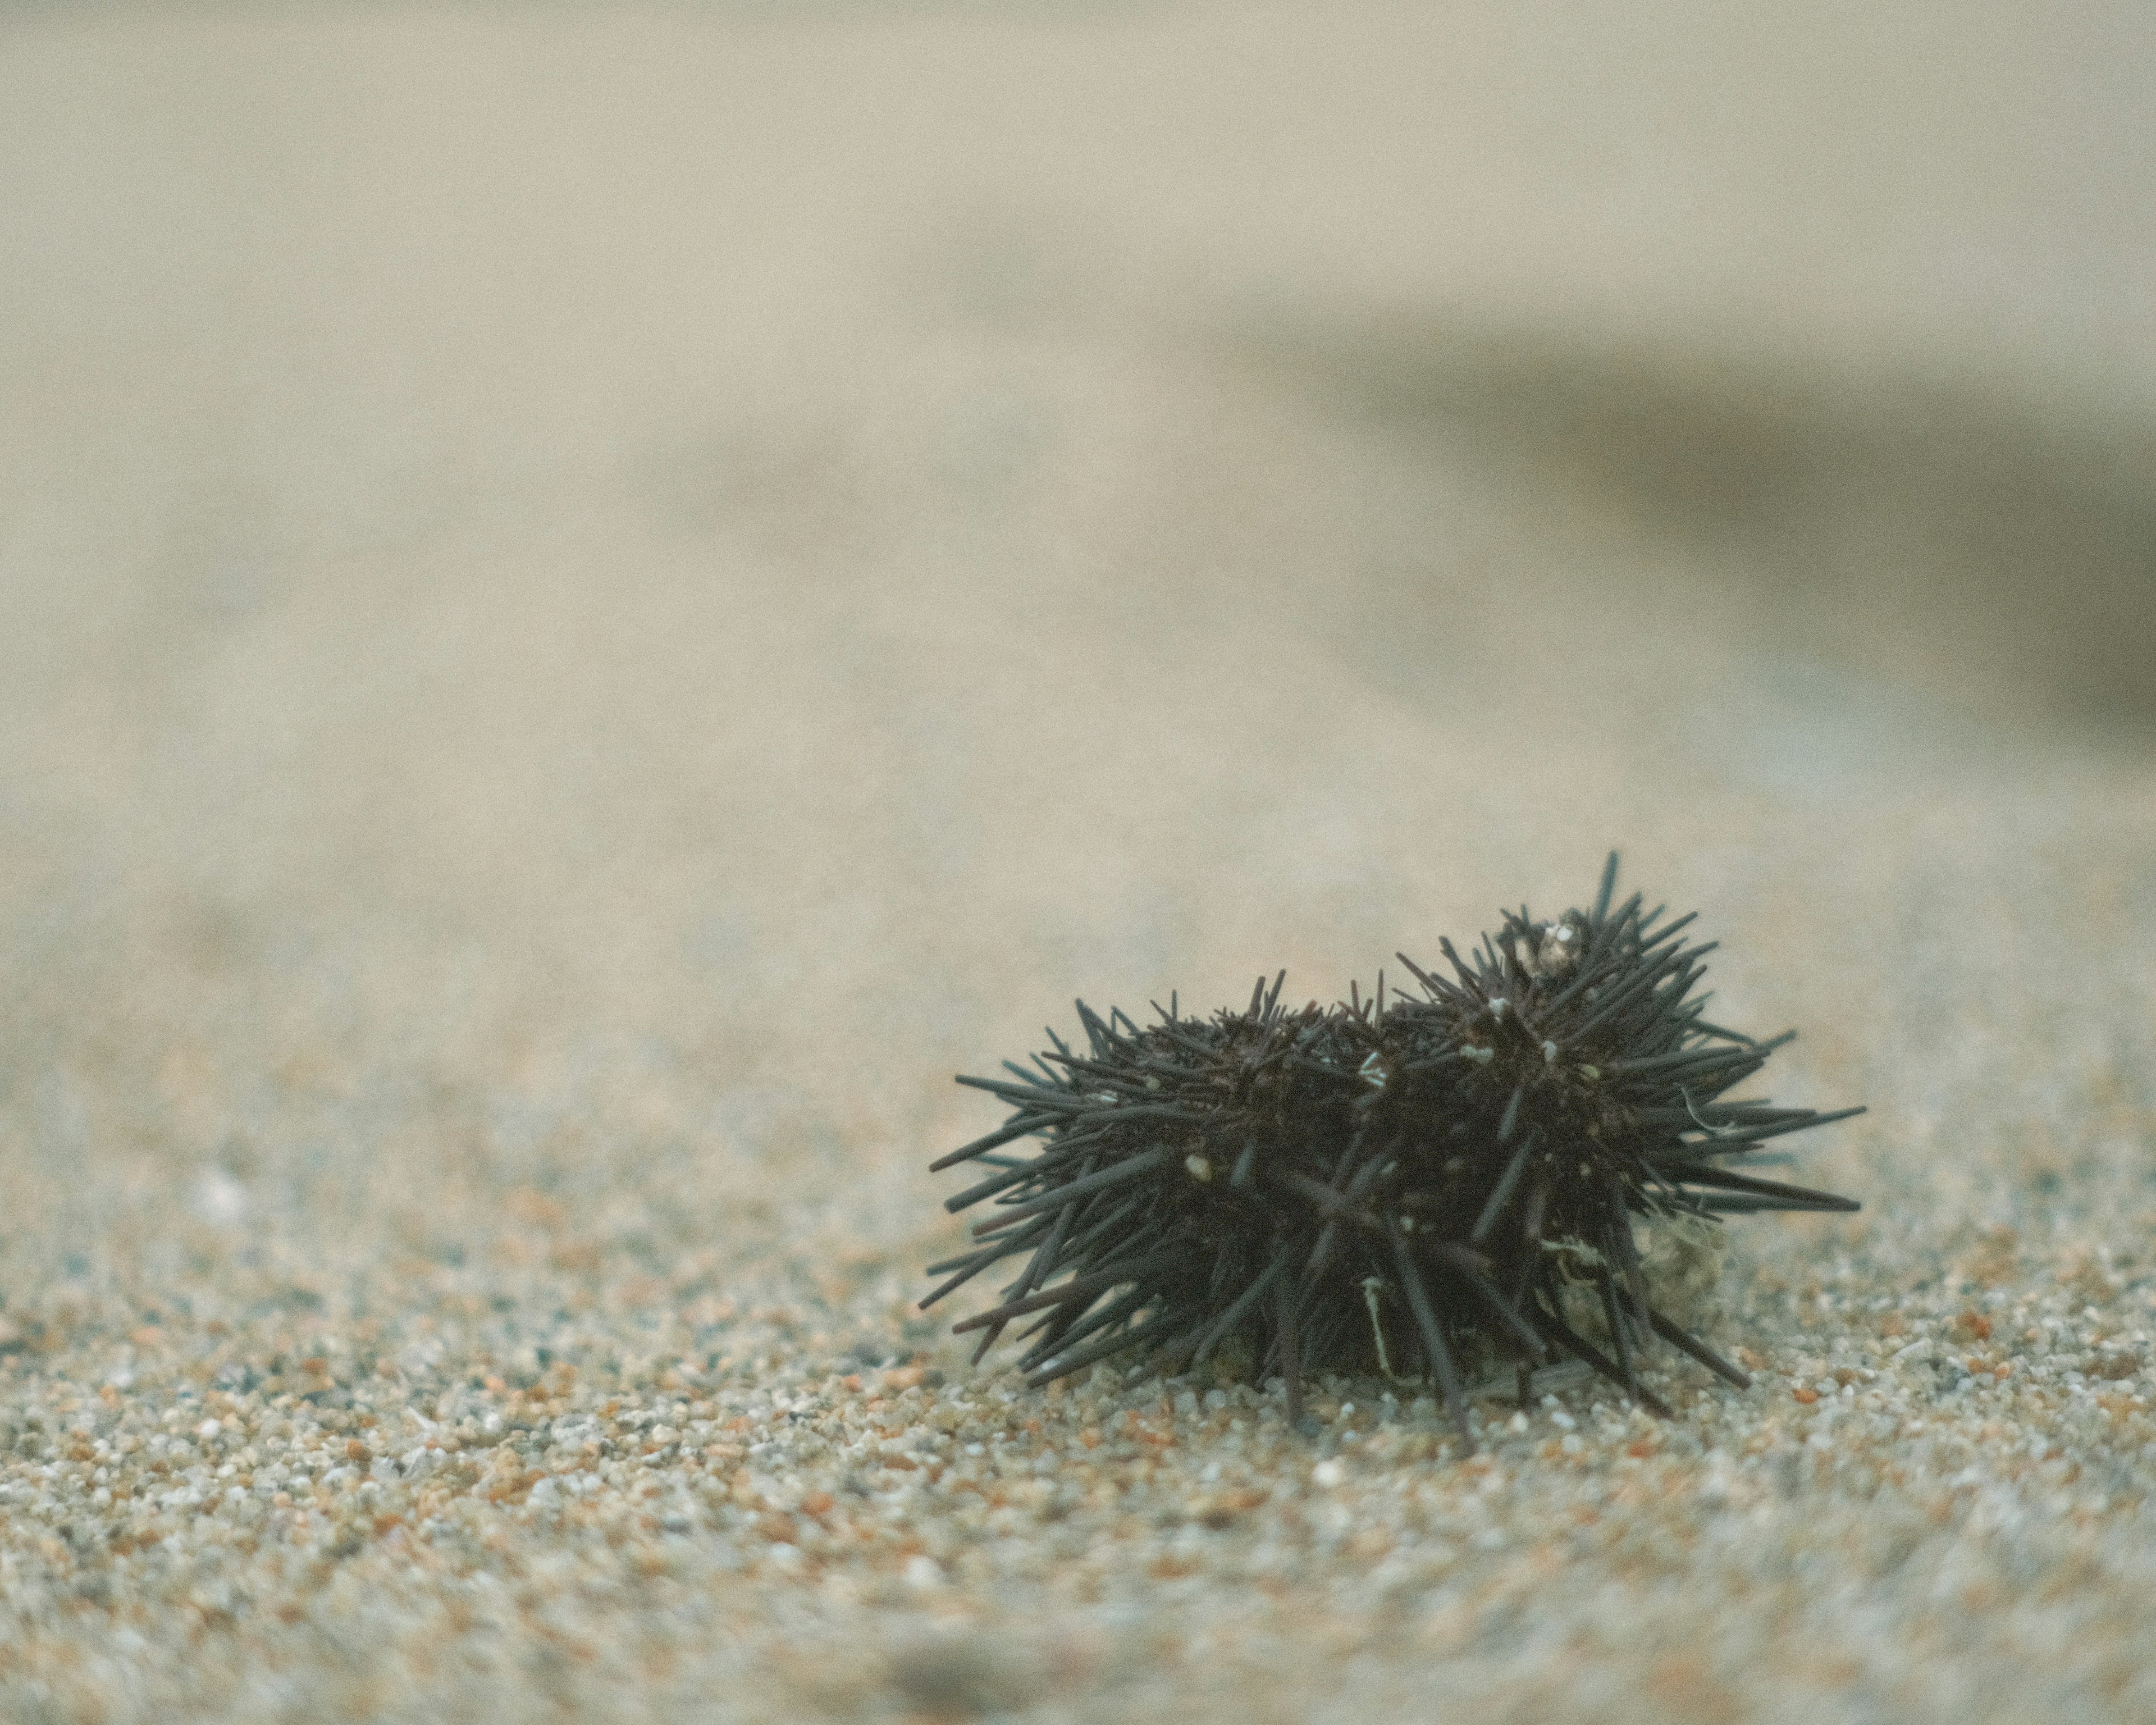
596, 600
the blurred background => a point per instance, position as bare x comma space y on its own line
596, 597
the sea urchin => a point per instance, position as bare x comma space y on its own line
1427, 1186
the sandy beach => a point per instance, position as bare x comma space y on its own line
596, 600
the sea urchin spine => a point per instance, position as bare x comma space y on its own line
1425, 1186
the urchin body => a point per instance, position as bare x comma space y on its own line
1414, 1186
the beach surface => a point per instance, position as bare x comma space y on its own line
598, 599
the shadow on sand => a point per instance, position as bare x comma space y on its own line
2001, 552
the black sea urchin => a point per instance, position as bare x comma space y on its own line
1428, 1187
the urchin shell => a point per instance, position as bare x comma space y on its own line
1424, 1187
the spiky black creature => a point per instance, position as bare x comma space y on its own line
1429, 1186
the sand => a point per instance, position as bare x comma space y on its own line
599, 599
